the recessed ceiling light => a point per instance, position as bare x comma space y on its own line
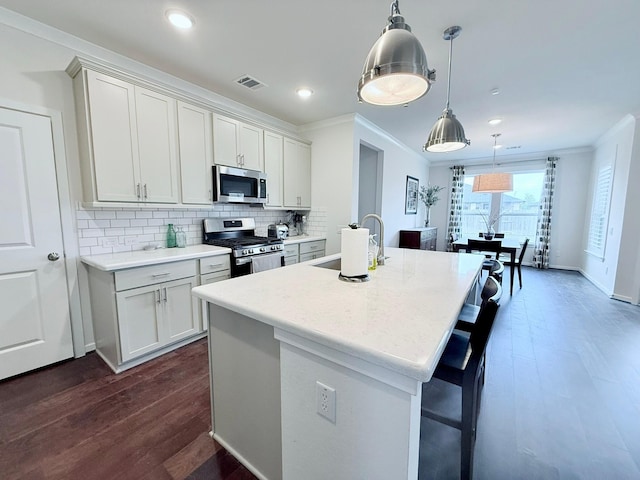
495, 91
180, 19
495, 121
304, 92
497, 147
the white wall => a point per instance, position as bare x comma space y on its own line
615, 274
335, 175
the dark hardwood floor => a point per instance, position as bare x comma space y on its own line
561, 401
77, 420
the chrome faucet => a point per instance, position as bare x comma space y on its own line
381, 249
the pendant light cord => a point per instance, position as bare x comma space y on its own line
395, 8
449, 77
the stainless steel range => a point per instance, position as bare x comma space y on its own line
250, 253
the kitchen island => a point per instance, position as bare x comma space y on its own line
289, 345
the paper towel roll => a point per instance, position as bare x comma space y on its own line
355, 252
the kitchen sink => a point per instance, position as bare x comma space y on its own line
334, 264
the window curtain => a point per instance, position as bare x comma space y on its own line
455, 206
543, 230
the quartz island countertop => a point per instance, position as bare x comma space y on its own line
399, 320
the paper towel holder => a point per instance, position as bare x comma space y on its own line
356, 279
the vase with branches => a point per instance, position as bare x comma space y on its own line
429, 196
490, 222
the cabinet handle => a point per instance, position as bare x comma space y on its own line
155, 275
165, 295
145, 191
238, 160
157, 294
243, 159
210, 195
138, 190
215, 265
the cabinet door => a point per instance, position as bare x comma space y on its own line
225, 141
181, 315
113, 138
297, 174
196, 153
304, 174
273, 168
205, 280
157, 146
251, 147
139, 321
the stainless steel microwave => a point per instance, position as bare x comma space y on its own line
237, 185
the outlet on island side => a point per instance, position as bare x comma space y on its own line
326, 401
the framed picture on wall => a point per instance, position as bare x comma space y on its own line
411, 196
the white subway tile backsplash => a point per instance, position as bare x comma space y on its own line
92, 232
107, 230
120, 223
105, 214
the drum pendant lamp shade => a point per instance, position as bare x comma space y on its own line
494, 182
395, 71
447, 135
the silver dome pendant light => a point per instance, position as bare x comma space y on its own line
447, 135
395, 71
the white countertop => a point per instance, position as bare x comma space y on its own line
400, 320
302, 238
139, 258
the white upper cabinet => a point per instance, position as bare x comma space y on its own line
129, 136
157, 146
196, 154
237, 144
273, 166
113, 132
297, 174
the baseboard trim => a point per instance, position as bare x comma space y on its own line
600, 287
238, 457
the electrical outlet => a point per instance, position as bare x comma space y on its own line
326, 401
130, 240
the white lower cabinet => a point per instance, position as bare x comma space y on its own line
139, 313
312, 250
291, 253
303, 251
213, 269
154, 316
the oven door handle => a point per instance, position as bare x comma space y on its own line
243, 260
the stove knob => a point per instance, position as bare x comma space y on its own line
250, 251
262, 249
244, 252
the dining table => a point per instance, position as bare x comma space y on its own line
509, 245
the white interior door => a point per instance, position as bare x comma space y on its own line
35, 327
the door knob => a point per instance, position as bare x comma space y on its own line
53, 256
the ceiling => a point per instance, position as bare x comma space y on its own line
566, 70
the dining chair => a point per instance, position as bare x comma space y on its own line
518, 261
492, 290
462, 364
489, 248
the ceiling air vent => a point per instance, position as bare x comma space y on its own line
250, 82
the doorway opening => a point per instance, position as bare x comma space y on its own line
370, 185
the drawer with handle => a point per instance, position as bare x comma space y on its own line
218, 263
311, 247
152, 274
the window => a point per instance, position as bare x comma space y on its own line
600, 212
518, 210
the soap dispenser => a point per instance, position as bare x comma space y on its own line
373, 252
